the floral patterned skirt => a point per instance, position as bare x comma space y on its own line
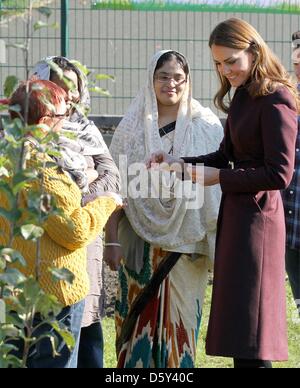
166, 332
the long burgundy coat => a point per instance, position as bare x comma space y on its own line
248, 312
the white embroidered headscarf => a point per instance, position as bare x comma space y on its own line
168, 223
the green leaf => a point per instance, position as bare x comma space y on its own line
101, 77
34, 206
10, 85
32, 291
48, 305
9, 361
39, 25
55, 26
101, 91
81, 67
4, 172
52, 164
11, 330
69, 83
12, 256
62, 274
12, 277
55, 68
66, 335
11, 215
45, 99
31, 232
14, 319
54, 343
2, 264
54, 153
17, 45
21, 179
15, 108
46, 11
7, 13
5, 188
3, 107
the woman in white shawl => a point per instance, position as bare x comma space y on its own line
158, 308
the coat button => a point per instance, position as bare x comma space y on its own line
290, 212
291, 192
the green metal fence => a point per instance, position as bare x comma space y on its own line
121, 43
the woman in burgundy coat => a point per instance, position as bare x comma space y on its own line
254, 162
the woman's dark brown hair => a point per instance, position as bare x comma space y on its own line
267, 73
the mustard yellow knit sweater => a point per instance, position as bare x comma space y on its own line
64, 242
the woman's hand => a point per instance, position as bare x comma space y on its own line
92, 175
112, 256
166, 162
118, 199
209, 175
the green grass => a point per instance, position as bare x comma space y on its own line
204, 361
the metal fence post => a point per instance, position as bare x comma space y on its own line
65, 28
